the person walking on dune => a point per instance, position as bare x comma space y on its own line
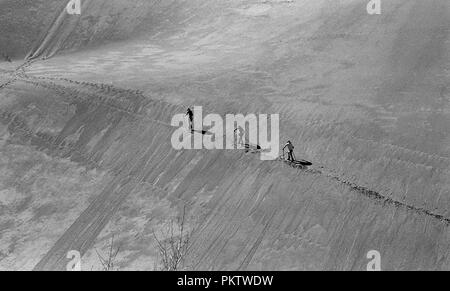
240, 131
190, 115
290, 148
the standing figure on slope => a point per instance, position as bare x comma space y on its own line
190, 115
240, 131
290, 148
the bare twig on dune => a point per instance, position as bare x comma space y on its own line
108, 263
173, 250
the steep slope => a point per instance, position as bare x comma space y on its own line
243, 213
